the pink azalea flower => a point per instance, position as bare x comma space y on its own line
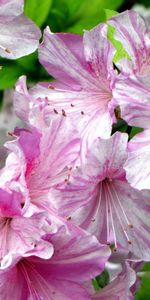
137, 166
19, 36
18, 234
40, 160
119, 288
132, 89
84, 72
76, 257
109, 207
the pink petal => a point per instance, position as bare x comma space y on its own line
79, 254
12, 283
11, 8
22, 236
137, 168
99, 53
29, 142
90, 111
132, 95
131, 31
119, 288
18, 37
41, 160
10, 203
59, 55
21, 100
99, 199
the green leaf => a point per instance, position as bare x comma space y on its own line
110, 13
101, 280
37, 10
95, 284
91, 14
28, 62
121, 52
144, 291
146, 267
134, 131
74, 16
121, 126
9, 75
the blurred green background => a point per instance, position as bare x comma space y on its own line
65, 16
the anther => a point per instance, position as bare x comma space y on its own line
64, 113
8, 50
130, 225
55, 111
69, 218
72, 105
10, 133
82, 112
114, 250
51, 87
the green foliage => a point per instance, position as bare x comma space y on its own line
9, 75
110, 13
37, 10
134, 131
74, 16
95, 285
146, 267
121, 126
101, 281
144, 290
143, 2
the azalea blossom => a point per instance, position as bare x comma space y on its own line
73, 258
137, 166
109, 207
19, 36
19, 234
83, 69
131, 90
40, 160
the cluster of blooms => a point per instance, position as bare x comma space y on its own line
74, 199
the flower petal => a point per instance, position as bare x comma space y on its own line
131, 31
132, 95
14, 44
78, 253
11, 8
59, 54
99, 53
119, 288
137, 167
